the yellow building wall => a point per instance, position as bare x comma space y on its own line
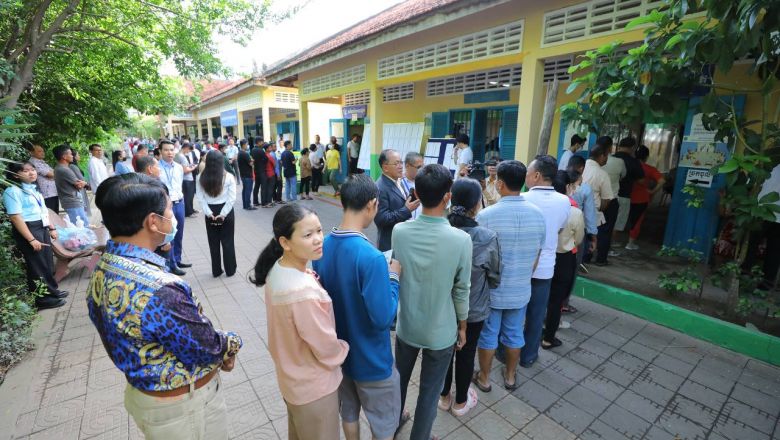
530, 97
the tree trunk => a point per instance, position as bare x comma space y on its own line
547, 119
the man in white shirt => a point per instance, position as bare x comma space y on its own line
353, 149
617, 170
556, 208
465, 156
98, 172
575, 145
231, 153
317, 164
412, 164
603, 197
172, 175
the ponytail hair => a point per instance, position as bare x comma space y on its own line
283, 226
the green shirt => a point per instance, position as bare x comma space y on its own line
435, 281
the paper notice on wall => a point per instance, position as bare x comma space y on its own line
364, 158
403, 138
698, 132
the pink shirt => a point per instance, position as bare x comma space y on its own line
302, 335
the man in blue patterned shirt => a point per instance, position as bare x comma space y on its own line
151, 324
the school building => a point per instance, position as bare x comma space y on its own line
242, 108
482, 68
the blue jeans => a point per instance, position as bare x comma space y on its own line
534, 319
291, 188
246, 191
178, 212
435, 364
76, 213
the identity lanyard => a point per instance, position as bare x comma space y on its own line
44, 211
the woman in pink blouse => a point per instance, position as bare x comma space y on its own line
301, 327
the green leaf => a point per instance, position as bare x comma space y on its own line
729, 166
771, 197
645, 19
674, 41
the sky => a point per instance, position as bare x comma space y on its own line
318, 20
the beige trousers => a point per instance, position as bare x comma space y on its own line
198, 415
316, 420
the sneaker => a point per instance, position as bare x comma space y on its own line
445, 402
616, 245
632, 247
613, 254
565, 324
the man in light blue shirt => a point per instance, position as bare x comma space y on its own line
172, 175
521, 233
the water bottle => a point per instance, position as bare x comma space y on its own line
79, 223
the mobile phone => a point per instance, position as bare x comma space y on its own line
413, 195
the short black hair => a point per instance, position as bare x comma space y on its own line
546, 165
13, 169
143, 163
126, 200
242, 142
576, 161
383, 156
627, 142
313, 147
357, 191
462, 139
140, 147
93, 146
60, 151
164, 142
642, 153
576, 139
412, 157
604, 141
598, 150
432, 183
286, 143
186, 145
512, 173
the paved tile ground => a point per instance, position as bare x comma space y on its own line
615, 377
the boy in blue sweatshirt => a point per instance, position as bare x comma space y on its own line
364, 291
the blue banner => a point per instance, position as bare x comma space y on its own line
229, 118
355, 111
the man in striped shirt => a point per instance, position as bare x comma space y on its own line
521, 233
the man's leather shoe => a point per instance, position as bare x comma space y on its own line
49, 302
185, 265
177, 271
61, 294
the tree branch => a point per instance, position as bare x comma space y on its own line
99, 31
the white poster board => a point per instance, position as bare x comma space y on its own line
364, 158
403, 137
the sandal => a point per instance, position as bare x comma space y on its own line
475, 381
547, 345
509, 387
405, 417
471, 402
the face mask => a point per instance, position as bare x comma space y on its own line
174, 228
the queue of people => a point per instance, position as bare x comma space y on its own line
463, 266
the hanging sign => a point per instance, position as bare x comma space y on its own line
355, 112
699, 177
228, 118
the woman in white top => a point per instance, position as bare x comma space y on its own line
217, 193
572, 233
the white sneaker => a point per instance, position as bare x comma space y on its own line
613, 254
632, 247
565, 324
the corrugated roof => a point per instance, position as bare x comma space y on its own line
386, 19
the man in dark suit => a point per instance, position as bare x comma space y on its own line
395, 204
259, 161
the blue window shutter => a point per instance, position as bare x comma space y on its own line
508, 134
439, 124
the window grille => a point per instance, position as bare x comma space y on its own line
401, 92
353, 75
475, 82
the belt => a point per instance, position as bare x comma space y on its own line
200, 383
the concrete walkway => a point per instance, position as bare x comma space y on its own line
615, 377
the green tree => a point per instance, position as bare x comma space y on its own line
680, 55
31, 30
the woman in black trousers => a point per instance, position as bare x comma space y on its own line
32, 232
566, 182
217, 194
